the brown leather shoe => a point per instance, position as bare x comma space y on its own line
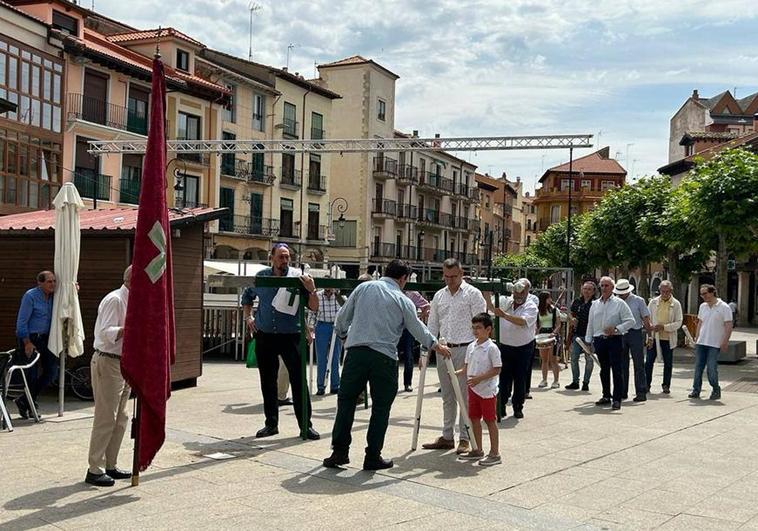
440, 444
463, 447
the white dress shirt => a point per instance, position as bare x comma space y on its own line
450, 315
515, 335
611, 312
111, 315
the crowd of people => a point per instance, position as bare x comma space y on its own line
378, 324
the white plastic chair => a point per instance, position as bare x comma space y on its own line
18, 387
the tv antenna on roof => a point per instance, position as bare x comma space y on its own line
290, 47
253, 8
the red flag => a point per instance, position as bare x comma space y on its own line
148, 350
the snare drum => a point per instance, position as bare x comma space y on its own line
545, 340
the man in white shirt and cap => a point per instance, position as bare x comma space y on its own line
110, 389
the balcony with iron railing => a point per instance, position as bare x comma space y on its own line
200, 159
429, 216
183, 202
461, 223
129, 191
287, 230
381, 207
507, 209
97, 111
289, 128
447, 220
465, 191
316, 233
317, 133
317, 184
247, 225
431, 182
291, 178
406, 211
92, 185
254, 173
407, 174
385, 167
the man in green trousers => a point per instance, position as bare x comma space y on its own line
378, 311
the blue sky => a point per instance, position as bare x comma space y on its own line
497, 67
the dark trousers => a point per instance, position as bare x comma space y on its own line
609, 352
268, 348
632, 346
517, 361
405, 351
364, 365
45, 371
668, 363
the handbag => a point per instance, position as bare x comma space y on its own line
250, 361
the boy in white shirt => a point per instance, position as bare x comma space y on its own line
482, 370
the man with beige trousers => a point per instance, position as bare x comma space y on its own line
111, 391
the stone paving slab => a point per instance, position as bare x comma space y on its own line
668, 463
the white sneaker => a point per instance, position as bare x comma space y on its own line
543, 383
555, 385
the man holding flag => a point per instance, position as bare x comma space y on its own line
149, 343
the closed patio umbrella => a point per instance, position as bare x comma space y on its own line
66, 329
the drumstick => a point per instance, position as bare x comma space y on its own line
586, 349
461, 404
419, 398
689, 341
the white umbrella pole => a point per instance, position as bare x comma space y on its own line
461, 403
419, 398
62, 370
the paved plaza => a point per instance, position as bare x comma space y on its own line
669, 463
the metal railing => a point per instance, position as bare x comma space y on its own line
129, 191
407, 211
316, 232
181, 202
407, 174
252, 225
317, 183
291, 177
385, 167
203, 159
289, 127
428, 215
97, 111
317, 134
384, 206
254, 173
92, 185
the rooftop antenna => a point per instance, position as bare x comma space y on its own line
290, 47
253, 8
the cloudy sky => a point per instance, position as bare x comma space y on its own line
616, 69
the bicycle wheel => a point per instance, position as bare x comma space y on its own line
81, 383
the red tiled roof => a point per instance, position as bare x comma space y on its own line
152, 34
749, 141
597, 162
23, 13
357, 60
101, 44
113, 219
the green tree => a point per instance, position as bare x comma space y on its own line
720, 201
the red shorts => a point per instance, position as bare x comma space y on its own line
481, 408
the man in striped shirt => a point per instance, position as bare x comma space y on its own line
329, 303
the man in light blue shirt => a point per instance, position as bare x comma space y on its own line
632, 342
373, 319
609, 319
32, 330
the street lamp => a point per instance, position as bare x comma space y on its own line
341, 204
178, 177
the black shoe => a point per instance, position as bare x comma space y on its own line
23, 408
603, 401
573, 386
616, 405
377, 463
585, 387
267, 431
639, 398
693, 394
334, 391
666, 389
408, 389
715, 395
102, 480
518, 413
320, 392
528, 396
312, 435
285, 402
116, 473
336, 460
625, 397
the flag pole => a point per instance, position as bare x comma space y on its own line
135, 436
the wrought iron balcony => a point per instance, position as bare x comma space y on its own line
317, 134
407, 174
291, 178
289, 128
385, 167
251, 172
92, 185
429, 216
254, 226
129, 191
202, 159
97, 111
406, 211
383, 207
316, 232
317, 184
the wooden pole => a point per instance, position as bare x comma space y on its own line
419, 398
135, 436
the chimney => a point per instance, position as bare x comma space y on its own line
755, 122
436, 135
518, 179
504, 176
284, 68
695, 95
415, 133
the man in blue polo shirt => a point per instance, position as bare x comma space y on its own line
32, 330
278, 334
